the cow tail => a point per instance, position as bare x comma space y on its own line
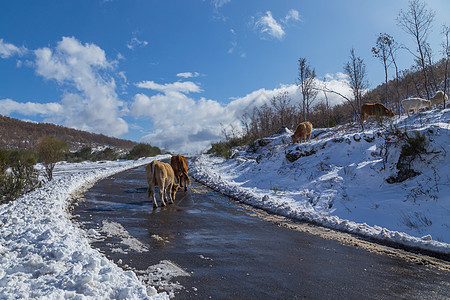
187, 177
153, 172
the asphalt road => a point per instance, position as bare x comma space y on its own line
228, 252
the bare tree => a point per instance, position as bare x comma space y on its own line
446, 52
281, 103
431, 67
50, 151
381, 51
356, 71
325, 89
327, 108
393, 47
306, 81
417, 21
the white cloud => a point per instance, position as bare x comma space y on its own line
268, 27
219, 3
292, 15
93, 105
8, 106
183, 124
233, 46
336, 82
188, 75
181, 87
7, 50
135, 42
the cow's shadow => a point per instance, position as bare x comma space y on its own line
141, 190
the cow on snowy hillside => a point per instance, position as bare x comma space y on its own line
439, 98
375, 109
415, 104
303, 132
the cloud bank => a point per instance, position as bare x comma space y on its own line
8, 106
91, 102
185, 125
178, 118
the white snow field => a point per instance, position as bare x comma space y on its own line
338, 179
44, 255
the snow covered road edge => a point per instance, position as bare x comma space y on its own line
44, 255
200, 168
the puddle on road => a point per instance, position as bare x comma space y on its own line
137, 191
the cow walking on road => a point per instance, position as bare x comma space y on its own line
180, 167
161, 175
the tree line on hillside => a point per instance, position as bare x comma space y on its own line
423, 79
18, 174
17, 134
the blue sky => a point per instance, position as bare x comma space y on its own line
174, 73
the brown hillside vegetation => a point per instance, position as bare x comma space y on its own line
410, 84
17, 134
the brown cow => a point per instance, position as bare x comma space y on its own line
375, 109
161, 174
303, 132
180, 167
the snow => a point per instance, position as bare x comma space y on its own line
338, 180
44, 255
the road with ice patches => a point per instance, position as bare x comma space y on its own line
208, 246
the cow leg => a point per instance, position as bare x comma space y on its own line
183, 182
180, 180
151, 193
169, 193
162, 190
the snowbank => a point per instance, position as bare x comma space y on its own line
42, 253
339, 180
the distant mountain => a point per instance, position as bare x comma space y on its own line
17, 134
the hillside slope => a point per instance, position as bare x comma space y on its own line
354, 181
16, 134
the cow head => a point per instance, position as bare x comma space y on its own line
294, 138
390, 113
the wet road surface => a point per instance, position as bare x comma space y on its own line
230, 253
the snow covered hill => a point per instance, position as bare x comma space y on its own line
351, 180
